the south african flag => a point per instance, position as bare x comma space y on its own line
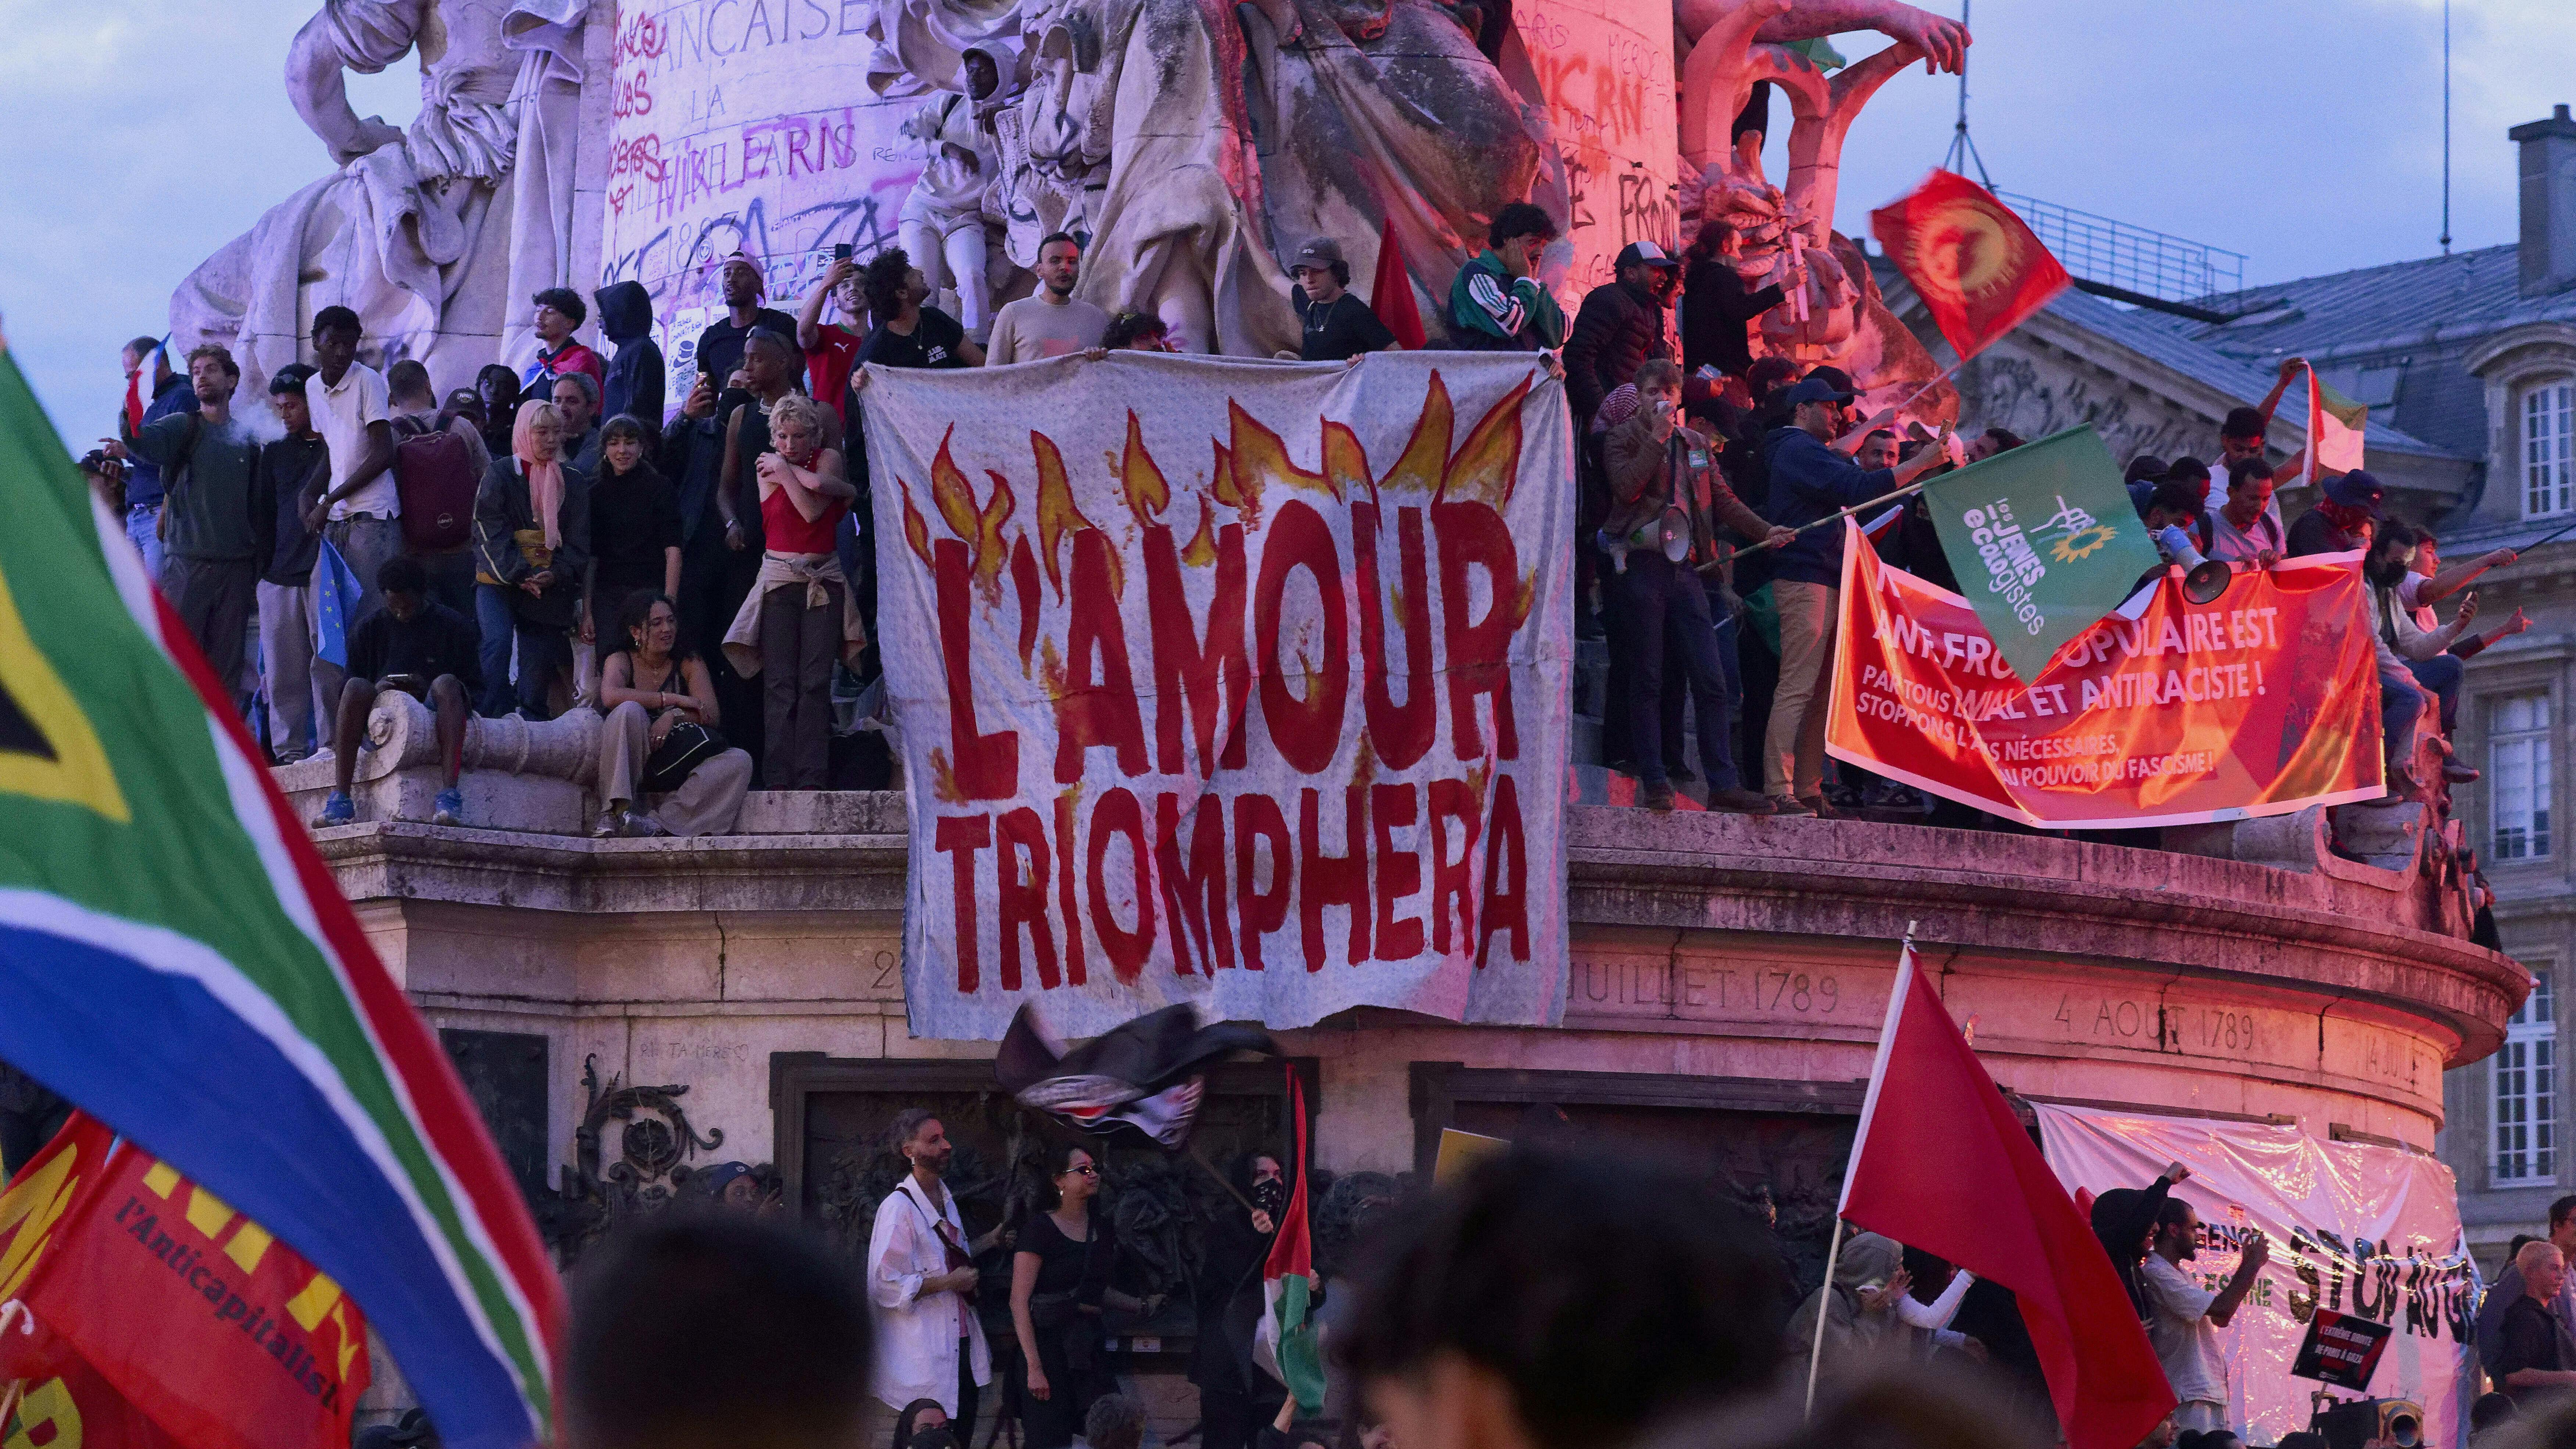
175, 959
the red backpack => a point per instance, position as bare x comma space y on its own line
435, 479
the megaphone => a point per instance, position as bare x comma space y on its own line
2352, 1424
1669, 534
2207, 580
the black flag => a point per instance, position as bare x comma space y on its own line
1144, 1076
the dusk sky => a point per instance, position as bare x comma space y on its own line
144, 134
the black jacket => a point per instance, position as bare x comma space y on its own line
502, 510
1715, 312
635, 373
1619, 328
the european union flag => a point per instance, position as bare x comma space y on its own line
335, 605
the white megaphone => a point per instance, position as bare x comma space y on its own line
1673, 533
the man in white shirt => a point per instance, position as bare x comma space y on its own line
1050, 323
921, 1283
360, 511
2183, 1318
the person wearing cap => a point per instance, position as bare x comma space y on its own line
2344, 518
1338, 325
1810, 483
1658, 468
1619, 326
1496, 302
720, 345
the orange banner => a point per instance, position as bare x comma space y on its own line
2261, 702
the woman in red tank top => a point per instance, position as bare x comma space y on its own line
799, 615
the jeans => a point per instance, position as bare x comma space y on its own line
365, 542
143, 529
2401, 703
1666, 605
2442, 674
543, 652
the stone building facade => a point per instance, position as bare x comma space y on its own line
2468, 363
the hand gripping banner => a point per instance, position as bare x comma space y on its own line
2261, 702
1231, 683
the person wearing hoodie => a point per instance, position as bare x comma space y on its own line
635, 375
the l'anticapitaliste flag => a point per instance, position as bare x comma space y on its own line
176, 960
2335, 426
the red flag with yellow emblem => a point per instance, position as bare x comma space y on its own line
1976, 265
155, 1306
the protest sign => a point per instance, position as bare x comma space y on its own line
2044, 541
2341, 1349
2356, 1229
144, 1285
2263, 701
1231, 683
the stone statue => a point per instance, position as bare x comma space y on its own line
436, 236
1784, 235
953, 204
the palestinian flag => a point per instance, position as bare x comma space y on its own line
1284, 1343
2335, 425
1145, 1076
175, 959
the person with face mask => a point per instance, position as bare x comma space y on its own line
1235, 1398
2399, 638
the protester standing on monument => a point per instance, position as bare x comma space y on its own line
1139, 332
720, 346
909, 332
499, 389
531, 546
633, 386
634, 531
576, 396
2240, 433
2247, 528
2348, 510
361, 513
832, 350
2431, 582
1496, 302
1337, 326
1718, 310
1654, 464
1619, 327
2535, 1358
1809, 484
2398, 639
161, 393
799, 618
2183, 1318
922, 1280
209, 571
291, 473
1050, 323
436, 476
422, 648
560, 313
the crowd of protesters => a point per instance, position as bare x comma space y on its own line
546, 510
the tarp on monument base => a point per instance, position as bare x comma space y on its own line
2355, 1228
1242, 684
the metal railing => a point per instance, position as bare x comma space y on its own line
2114, 253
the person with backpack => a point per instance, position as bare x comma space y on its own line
439, 463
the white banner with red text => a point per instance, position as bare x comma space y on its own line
2355, 1228
1243, 684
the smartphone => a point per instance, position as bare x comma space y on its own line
841, 252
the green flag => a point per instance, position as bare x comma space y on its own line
2044, 541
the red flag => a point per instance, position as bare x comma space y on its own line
1974, 263
1391, 294
1941, 1163
224, 1337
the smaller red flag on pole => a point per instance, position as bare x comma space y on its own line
1977, 266
1391, 293
1942, 1163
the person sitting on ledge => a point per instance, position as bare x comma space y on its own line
423, 648
649, 690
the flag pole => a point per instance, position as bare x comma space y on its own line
1821, 522
1878, 1068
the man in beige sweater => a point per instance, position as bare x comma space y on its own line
1050, 323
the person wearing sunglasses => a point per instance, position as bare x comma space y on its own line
1060, 1276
